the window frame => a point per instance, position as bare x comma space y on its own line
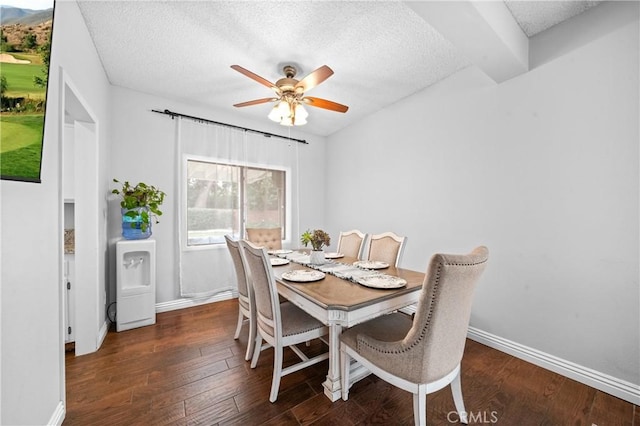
183, 231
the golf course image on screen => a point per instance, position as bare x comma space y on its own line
25, 47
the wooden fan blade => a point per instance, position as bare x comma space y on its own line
323, 103
255, 102
313, 79
255, 77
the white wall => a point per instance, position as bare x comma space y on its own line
144, 149
32, 354
543, 169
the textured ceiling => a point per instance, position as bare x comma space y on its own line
537, 16
380, 52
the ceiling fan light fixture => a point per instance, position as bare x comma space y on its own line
279, 111
287, 121
300, 112
289, 112
284, 108
274, 115
299, 115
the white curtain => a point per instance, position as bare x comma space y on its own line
208, 270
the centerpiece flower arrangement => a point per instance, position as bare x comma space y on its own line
318, 239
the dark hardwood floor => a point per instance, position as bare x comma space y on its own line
187, 370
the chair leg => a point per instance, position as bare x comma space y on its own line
456, 390
420, 406
345, 361
252, 339
239, 326
256, 351
277, 372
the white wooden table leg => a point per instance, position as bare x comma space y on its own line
332, 384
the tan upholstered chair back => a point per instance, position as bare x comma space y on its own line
264, 288
241, 276
386, 247
271, 238
434, 344
442, 319
350, 243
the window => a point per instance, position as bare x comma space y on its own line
225, 199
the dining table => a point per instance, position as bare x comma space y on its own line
345, 296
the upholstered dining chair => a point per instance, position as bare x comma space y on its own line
271, 238
351, 243
386, 247
423, 355
279, 324
247, 308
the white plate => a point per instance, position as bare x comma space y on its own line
303, 275
281, 251
333, 255
276, 261
383, 281
371, 264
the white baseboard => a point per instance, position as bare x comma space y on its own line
58, 415
102, 334
173, 305
619, 388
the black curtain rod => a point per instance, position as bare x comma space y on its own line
266, 134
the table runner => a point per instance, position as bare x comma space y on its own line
345, 271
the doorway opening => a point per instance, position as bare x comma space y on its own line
80, 212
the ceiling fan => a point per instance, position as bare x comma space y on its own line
290, 95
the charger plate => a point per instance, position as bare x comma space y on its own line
303, 275
277, 261
333, 255
371, 264
281, 251
382, 281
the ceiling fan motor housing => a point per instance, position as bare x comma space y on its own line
288, 83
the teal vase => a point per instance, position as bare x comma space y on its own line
132, 224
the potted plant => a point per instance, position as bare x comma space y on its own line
318, 239
139, 203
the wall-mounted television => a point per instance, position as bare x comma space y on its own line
26, 27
